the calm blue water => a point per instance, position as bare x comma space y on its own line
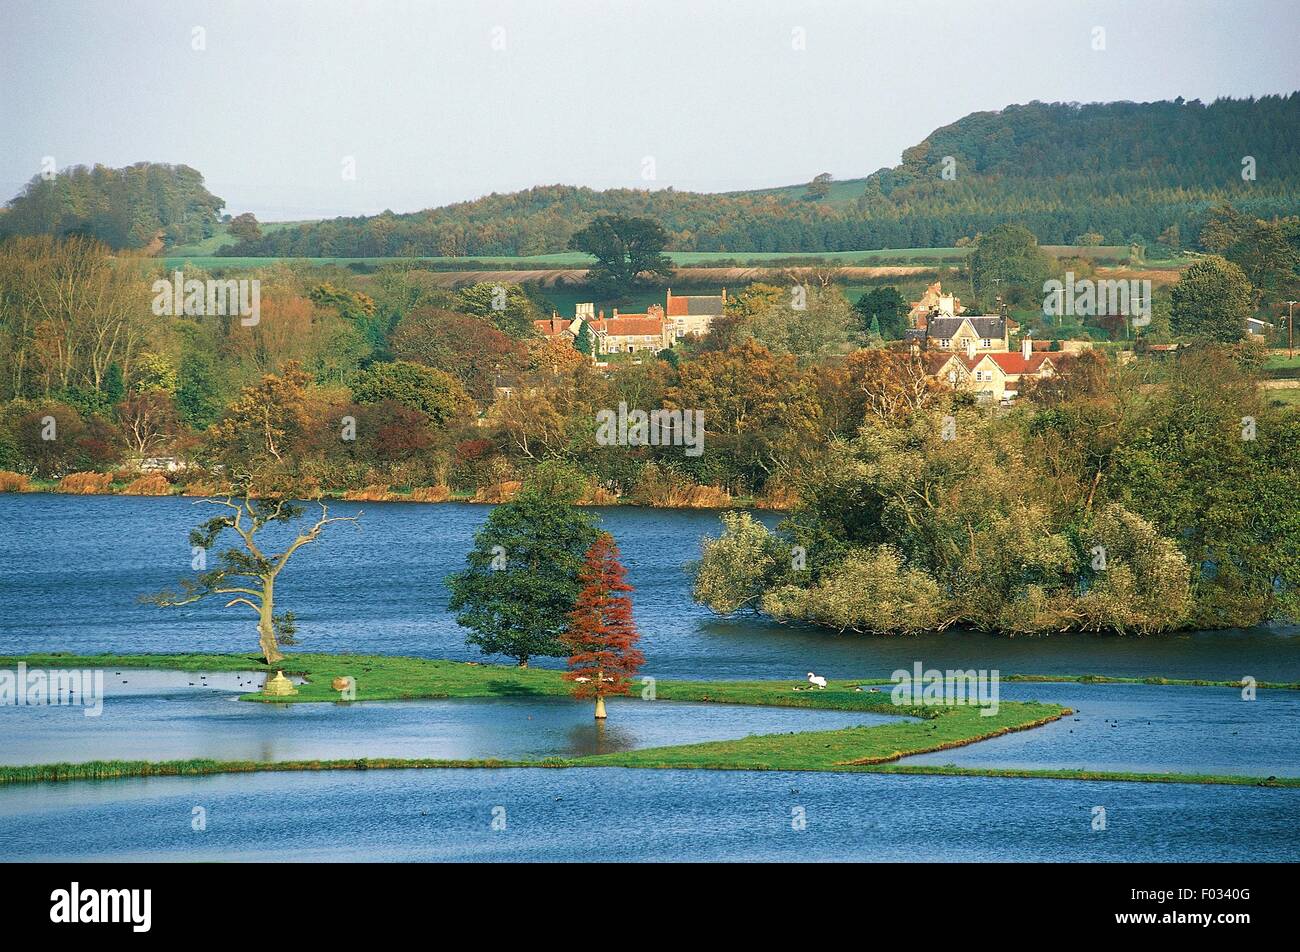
166, 715
1141, 727
643, 815
72, 569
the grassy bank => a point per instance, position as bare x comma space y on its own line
948, 770
379, 678
120, 769
400, 678
392, 678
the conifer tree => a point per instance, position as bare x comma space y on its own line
601, 636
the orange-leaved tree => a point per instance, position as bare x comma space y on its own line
601, 636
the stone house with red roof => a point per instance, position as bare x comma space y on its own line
991, 376
693, 314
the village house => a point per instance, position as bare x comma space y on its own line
629, 333
988, 333
555, 328
619, 334
933, 302
990, 375
694, 313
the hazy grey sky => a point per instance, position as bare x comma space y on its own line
434, 110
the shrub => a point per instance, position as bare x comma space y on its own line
503, 491
372, 493
204, 487
870, 591
151, 484
430, 494
597, 495
665, 488
11, 482
85, 484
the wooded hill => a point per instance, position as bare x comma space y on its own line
1122, 171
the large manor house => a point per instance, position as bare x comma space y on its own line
973, 351
655, 330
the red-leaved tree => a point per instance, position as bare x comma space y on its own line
601, 636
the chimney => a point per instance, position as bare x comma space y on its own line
1026, 347
970, 348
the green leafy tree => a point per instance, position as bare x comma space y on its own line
114, 386
508, 306
1211, 301
887, 308
585, 342
625, 249
433, 392
198, 391
1008, 262
819, 187
245, 227
521, 583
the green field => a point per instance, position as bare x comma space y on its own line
203, 254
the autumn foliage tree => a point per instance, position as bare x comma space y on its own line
601, 637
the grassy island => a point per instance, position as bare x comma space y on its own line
395, 678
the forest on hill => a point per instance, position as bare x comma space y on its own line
1107, 173
1120, 171
143, 206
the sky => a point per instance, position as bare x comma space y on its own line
427, 102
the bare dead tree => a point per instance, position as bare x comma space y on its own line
249, 573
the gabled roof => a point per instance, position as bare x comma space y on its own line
935, 361
986, 326
631, 325
552, 326
1014, 362
705, 305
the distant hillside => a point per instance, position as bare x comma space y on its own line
1124, 171
132, 207
1121, 170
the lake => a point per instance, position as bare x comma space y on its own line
621, 815
72, 570
170, 715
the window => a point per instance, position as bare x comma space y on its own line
946, 342
986, 343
